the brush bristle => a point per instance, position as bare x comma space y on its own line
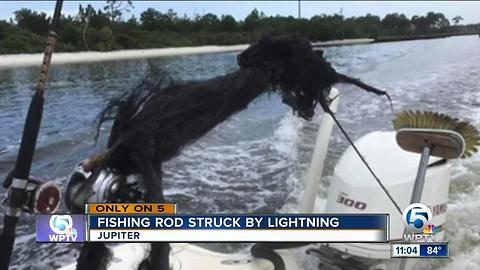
434, 120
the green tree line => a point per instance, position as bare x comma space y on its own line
105, 30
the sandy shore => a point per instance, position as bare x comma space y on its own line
343, 42
19, 60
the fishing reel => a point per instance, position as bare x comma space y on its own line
41, 197
101, 186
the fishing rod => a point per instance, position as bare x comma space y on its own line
18, 194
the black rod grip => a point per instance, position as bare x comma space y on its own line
56, 15
7, 240
29, 138
22, 170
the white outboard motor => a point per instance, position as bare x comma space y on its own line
354, 190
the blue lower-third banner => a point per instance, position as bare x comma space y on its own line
239, 228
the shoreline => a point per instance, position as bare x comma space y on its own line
59, 58
419, 37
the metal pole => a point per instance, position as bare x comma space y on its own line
18, 183
314, 178
299, 9
420, 180
418, 188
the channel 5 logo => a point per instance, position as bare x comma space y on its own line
417, 217
62, 224
60, 228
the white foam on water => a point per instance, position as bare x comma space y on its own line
233, 176
463, 215
286, 136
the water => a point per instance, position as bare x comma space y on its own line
255, 161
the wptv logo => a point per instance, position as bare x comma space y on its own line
62, 228
417, 218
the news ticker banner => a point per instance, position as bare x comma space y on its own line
159, 223
419, 250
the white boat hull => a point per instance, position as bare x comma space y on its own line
191, 257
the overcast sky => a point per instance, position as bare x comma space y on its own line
469, 10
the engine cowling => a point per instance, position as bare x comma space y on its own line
354, 190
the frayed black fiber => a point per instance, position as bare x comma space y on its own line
156, 119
